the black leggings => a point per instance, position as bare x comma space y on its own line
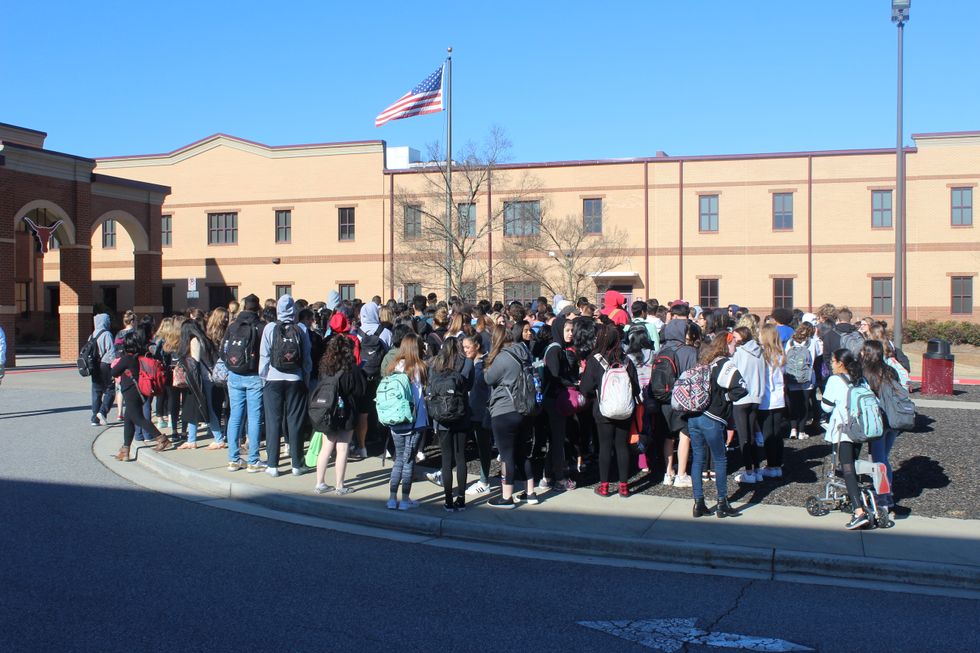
798, 409
483, 438
512, 433
773, 430
848, 453
746, 424
556, 424
452, 445
133, 416
614, 433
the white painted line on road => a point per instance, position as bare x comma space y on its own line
672, 635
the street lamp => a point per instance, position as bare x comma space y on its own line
900, 15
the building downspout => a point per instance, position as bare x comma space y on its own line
391, 235
680, 234
809, 232
646, 228
490, 237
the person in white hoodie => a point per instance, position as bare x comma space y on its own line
772, 408
750, 364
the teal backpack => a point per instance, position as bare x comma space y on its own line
864, 421
394, 400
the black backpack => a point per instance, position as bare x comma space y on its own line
373, 351
89, 359
445, 400
329, 411
663, 375
241, 348
287, 348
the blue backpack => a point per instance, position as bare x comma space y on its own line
863, 422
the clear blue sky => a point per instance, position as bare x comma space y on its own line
568, 80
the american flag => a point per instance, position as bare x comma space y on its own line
424, 98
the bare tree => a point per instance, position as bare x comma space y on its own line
563, 255
434, 244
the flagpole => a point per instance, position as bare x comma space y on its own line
449, 172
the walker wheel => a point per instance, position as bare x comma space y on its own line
882, 520
845, 507
813, 507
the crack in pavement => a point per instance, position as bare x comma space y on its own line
710, 628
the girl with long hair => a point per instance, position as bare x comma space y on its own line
772, 407
451, 364
197, 355
338, 361
878, 373
127, 370
558, 376
798, 410
406, 438
752, 367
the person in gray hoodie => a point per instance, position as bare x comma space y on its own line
511, 431
678, 333
751, 365
103, 387
371, 361
284, 395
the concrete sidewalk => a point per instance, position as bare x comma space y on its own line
771, 541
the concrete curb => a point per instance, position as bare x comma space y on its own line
764, 561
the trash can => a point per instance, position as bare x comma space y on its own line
937, 368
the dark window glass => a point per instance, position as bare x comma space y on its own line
782, 293
962, 207
962, 295
346, 291
410, 290
708, 293
168, 301
592, 215
166, 230
881, 209
283, 290
782, 211
521, 291
110, 297
221, 295
466, 214
284, 226
881, 296
222, 228
413, 222
708, 213
109, 234
345, 221
522, 218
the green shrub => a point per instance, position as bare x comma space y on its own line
957, 333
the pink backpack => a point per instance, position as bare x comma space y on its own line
692, 391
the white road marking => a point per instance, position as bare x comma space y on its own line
671, 635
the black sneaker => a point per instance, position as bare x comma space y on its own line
459, 504
858, 521
500, 502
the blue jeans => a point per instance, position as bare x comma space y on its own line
103, 391
707, 433
245, 394
141, 433
880, 450
403, 465
214, 422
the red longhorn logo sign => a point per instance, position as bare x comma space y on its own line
43, 234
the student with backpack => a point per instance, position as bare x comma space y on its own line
612, 307
240, 350
127, 370
772, 407
558, 378
195, 357
676, 357
641, 352
401, 406
722, 385
479, 397
801, 352
843, 334
506, 371
450, 379
846, 374
96, 356
375, 341
285, 365
334, 404
745, 411
610, 377
640, 312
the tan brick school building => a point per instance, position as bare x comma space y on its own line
760, 230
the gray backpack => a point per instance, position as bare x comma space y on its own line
852, 341
799, 364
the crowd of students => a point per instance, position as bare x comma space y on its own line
552, 386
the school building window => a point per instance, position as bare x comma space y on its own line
962, 207
881, 296
466, 215
962, 295
346, 291
221, 296
521, 291
345, 223
166, 230
410, 290
522, 218
881, 209
109, 234
413, 222
782, 293
467, 291
222, 228
283, 290
592, 215
110, 297
708, 213
284, 226
168, 301
708, 293
782, 211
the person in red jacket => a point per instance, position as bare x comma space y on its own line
612, 307
340, 326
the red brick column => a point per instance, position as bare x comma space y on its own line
148, 274
7, 308
76, 298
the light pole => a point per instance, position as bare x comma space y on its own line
900, 15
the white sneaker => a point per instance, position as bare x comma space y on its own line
682, 480
102, 419
544, 485
803, 435
408, 504
435, 478
668, 480
793, 434
299, 471
772, 472
478, 488
747, 478
272, 471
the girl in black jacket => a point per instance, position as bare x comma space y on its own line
558, 375
127, 370
338, 360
